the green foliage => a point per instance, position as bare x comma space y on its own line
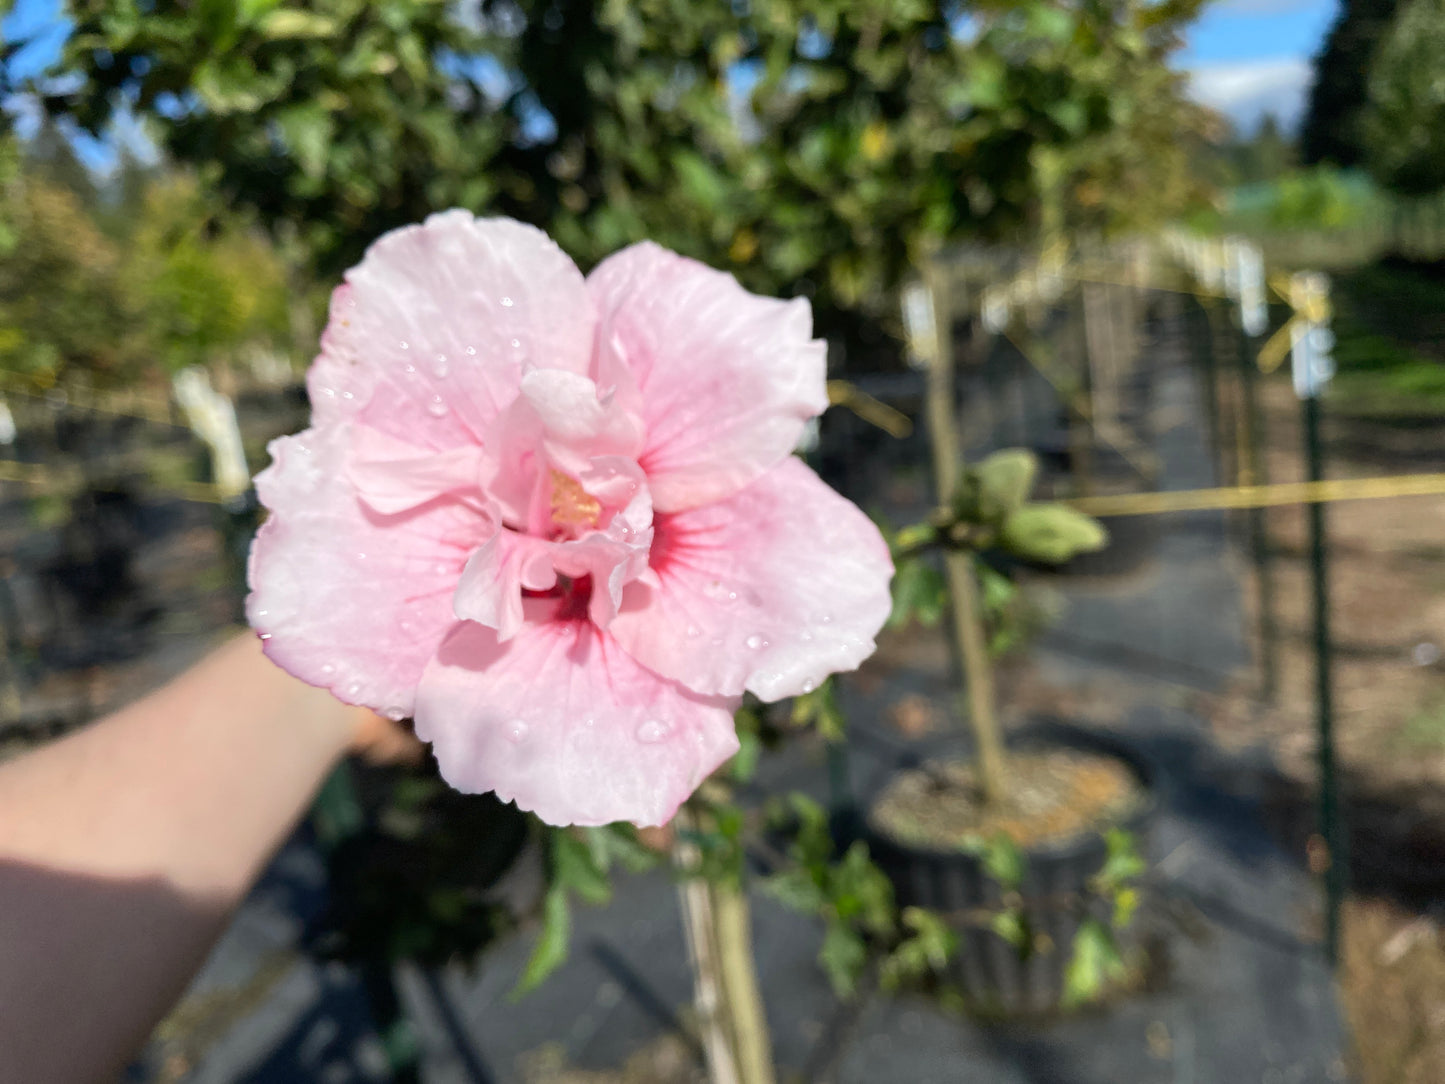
1053, 533
113, 293
926, 949
919, 593
1093, 963
811, 148
1331, 128
850, 894
581, 863
819, 709
1404, 118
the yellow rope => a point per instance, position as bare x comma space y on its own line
873, 411
1267, 496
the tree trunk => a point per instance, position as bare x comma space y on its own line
731, 1022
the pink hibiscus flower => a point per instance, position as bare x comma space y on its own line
557, 520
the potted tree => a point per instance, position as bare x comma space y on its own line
1028, 850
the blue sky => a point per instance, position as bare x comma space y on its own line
1245, 57
1250, 57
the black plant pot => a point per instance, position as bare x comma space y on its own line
991, 974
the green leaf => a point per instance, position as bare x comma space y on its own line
919, 592
797, 890
1013, 928
745, 760
307, 130
1004, 861
1005, 480
1052, 533
843, 955
819, 709
931, 943
1123, 862
291, 23
574, 867
550, 952
1095, 961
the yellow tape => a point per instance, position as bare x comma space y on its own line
1267, 496
873, 411
70, 482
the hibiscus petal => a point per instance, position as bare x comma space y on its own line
428, 338
727, 379
563, 722
770, 591
490, 590
396, 485
344, 597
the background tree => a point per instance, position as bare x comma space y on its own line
1404, 118
1331, 128
816, 148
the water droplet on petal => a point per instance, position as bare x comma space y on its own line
652, 731
405, 345
827, 619
328, 669
440, 366
265, 636
693, 630
755, 642
353, 688
347, 395
442, 568
809, 685
360, 556
516, 344
436, 408
262, 613
411, 368
471, 351
517, 731
506, 302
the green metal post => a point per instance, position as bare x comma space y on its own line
1258, 474
1337, 871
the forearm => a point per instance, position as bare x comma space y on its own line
123, 848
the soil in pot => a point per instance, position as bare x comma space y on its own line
1049, 796
925, 832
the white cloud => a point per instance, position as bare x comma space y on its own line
1245, 91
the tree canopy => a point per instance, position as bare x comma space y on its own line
812, 147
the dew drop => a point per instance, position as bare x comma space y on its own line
440, 366
262, 613
353, 688
693, 630
653, 731
732, 596
517, 731
347, 395
360, 556
589, 723
442, 568
265, 636
328, 669
755, 641
436, 408
405, 345
330, 393
827, 619
471, 351
411, 368
506, 302
809, 685
516, 344
807, 637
